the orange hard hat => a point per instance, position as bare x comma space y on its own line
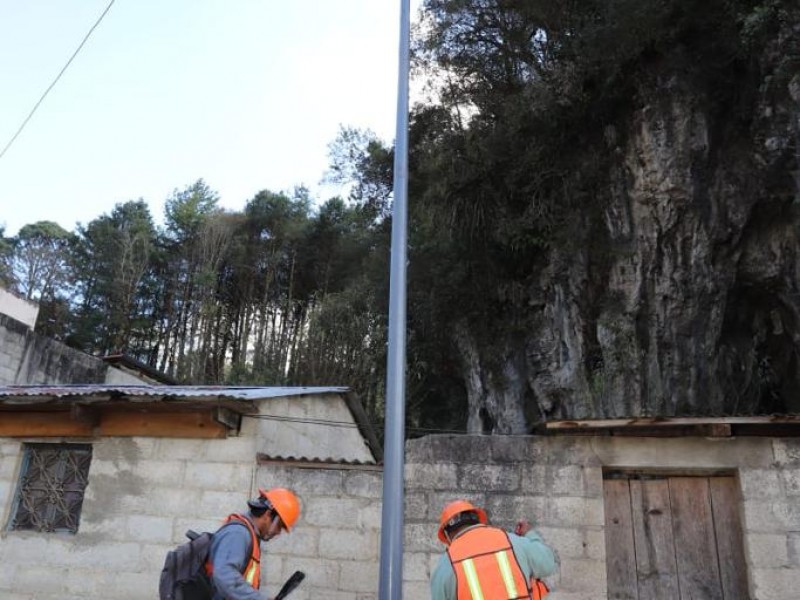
285, 503
454, 509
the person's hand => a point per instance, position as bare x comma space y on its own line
523, 527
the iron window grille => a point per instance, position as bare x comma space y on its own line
50, 492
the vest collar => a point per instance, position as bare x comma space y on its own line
465, 530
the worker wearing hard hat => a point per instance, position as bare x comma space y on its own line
485, 562
235, 556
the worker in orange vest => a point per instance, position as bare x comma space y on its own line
483, 562
234, 563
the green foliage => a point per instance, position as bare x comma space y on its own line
513, 164
113, 257
54, 319
40, 263
186, 210
6, 255
359, 159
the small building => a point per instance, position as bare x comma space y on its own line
98, 482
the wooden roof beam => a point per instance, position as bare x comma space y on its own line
594, 424
80, 422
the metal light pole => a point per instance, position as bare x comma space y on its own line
391, 577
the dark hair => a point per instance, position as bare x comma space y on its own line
461, 520
258, 506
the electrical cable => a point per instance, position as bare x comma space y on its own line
345, 424
47, 91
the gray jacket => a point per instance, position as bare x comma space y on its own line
230, 552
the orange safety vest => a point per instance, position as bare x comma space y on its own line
486, 568
252, 572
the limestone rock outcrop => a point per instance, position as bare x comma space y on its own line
683, 298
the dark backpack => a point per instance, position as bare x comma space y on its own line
184, 576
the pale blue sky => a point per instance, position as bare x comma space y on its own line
246, 94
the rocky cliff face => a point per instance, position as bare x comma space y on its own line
684, 297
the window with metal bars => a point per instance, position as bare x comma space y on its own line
50, 491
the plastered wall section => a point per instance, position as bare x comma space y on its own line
291, 426
557, 483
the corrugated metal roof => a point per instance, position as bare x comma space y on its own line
241, 399
12, 394
301, 461
123, 362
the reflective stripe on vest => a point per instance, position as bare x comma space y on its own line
485, 566
252, 572
505, 571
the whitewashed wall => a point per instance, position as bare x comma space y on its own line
143, 494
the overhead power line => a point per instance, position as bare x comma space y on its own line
348, 424
50, 87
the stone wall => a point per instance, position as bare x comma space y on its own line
557, 483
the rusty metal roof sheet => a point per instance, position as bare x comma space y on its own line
727, 426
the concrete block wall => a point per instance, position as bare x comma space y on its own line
554, 483
557, 483
771, 509
13, 335
143, 494
28, 358
304, 436
337, 541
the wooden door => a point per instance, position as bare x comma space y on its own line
673, 537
